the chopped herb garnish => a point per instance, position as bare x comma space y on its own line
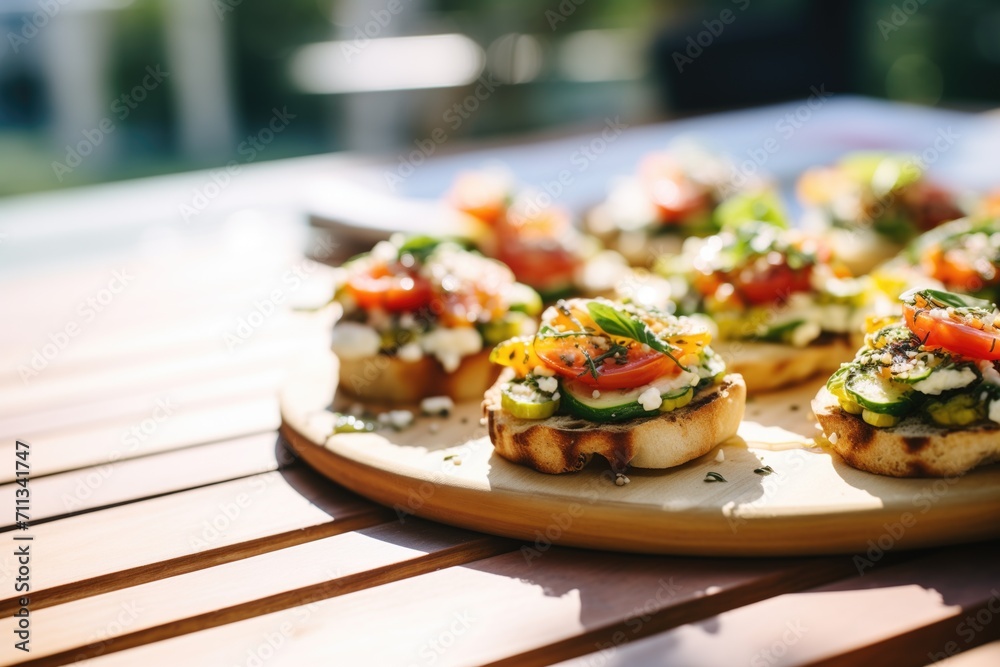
594, 362
351, 424
941, 299
621, 323
713, 477
765, 470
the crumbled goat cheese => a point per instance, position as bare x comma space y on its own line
995, 411
384, 251
548, 384
805, 333
355, 341
542, 371
621, 480
410, 352
944, 379
720, 456
990, 374
397, 419
437, 405
449, 345
650, 399
595, 394
520, 390
378, 319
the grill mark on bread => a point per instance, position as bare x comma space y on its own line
563, 444
863, 433
913, 448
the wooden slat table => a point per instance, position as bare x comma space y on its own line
171, 525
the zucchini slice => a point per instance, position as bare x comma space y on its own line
874, 393
526, 404
610, 406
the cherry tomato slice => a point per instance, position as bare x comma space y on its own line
393, 289
675, 195
541, 266
758, 286
954, 273
960, 337
480, 194
773, 284
566, 356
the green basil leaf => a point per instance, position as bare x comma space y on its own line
620, 323
947, 299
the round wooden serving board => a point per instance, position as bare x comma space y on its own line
445, 469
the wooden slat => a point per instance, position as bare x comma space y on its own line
155, 375
98, 552
201, 298
140, 338
500, 609
130, 409
119, 482
56, 294
183, 338
96, 446
262, 584
908, 614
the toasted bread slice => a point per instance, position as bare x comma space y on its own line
912, 448
769, 366
565, 444
387, 379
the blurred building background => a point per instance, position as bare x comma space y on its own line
101, 90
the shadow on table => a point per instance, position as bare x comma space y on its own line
318, 490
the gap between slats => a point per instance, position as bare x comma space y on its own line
373, 557
183, 532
